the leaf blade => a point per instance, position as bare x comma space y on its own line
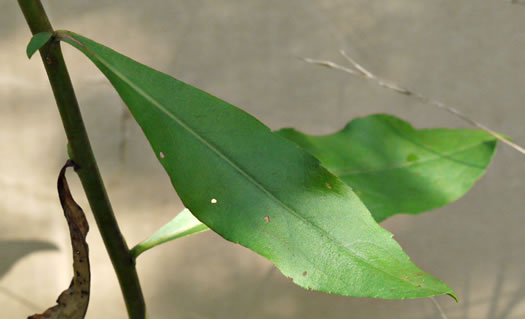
73, 302
406, 170
260, 190
184, 224
37, 42
477, 146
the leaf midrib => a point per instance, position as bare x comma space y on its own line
344, 173
148, 97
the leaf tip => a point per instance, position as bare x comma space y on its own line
453, 296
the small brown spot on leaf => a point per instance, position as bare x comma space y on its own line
358, 192
305, 273
328, 185
49, 60
267, 219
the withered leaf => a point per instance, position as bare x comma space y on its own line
72, 302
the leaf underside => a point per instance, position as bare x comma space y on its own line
395, 168
260, 190
184, 224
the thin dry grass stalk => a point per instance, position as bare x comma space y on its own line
357, 69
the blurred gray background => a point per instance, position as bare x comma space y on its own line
466, 53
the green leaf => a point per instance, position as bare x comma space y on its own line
184, 224
37, 42
381, 156
258, 189
395, 168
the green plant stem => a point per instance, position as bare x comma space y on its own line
82, 155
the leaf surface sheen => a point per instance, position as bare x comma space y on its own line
260, 190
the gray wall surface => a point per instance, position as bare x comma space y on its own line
467, 53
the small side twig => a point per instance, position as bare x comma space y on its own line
357, 69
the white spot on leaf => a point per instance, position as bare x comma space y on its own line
161, 154
213, 201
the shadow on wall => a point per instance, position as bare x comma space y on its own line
252, 288
14, 250
498, 309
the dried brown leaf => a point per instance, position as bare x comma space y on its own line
72, 302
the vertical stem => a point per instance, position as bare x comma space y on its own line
82, 155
